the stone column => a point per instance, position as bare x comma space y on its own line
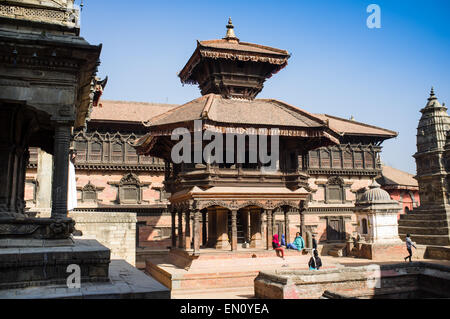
187, 234
212, 229
287, 236
234, 229
269, 228
263, 225
180, 229
174, 234
61, 170
196, 230
249, 226
44, 180
205, 228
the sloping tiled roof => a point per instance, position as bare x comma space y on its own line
351, 127
124, 111
239, 111
395, 177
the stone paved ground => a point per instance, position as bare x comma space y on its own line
247, 292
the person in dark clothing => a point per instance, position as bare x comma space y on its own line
409, 243
314, 242
315, 262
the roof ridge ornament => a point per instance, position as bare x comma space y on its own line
231, 36
432, 96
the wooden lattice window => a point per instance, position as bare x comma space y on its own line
81, 148
325, 160
337, 162
95, 154
130, 189
348, 159
131, 156
369, 160
334, 190
313, 159
117, 152
358, 159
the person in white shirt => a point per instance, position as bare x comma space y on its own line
72, 186
409, 243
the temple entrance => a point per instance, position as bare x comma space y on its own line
335, 229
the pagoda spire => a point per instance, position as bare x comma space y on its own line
230, 36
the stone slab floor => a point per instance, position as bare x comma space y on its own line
289, 263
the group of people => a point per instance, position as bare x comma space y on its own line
298, 244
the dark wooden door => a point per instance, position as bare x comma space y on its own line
334, 229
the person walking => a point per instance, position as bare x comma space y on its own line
314, 242
315, 262
277, 246
409, 243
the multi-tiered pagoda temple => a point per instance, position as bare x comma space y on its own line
219, 201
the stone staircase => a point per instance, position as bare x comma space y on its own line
425, 228
338, 250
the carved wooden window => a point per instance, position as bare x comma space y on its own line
106, 147
95, 154
130, 189
337, 162
358, 159
314, 159
81, 147
334, 190
348, 159
89, 193
325, 160
117, 152
369, 160
131, 156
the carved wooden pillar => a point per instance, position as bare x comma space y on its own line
263, 226
60, 170
287, 237
205, 228
196, 230
180, 228
234, 229
174, 234
269, 214
187, 234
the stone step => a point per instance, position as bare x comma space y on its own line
337, 251
438, 240
422, 223
423, 230
413, 216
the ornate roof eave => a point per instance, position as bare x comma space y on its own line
278, 59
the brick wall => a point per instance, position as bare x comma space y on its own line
117, 231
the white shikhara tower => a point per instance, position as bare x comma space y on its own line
429, 223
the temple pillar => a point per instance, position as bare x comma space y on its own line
196, 230
269, 214
222, 229
286, 224
187, 232
180, 228
61, 170
263, 226
174, 234
234, 229
205, 228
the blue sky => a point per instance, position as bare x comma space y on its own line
338, 66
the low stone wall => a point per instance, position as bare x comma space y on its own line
383, 281
438, 252
115, 230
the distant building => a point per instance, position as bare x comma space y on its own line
401, 186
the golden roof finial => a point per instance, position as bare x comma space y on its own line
230, 36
